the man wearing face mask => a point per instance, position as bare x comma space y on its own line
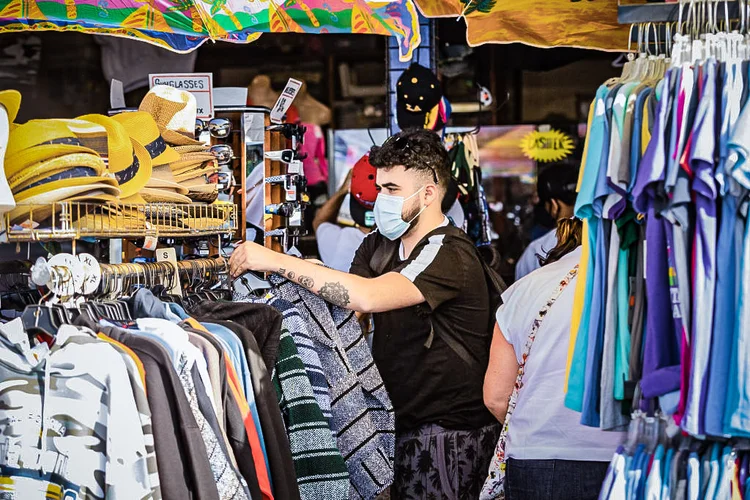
424, 281
556, 190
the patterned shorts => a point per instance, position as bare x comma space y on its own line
437, 463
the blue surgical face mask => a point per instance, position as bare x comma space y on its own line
388, 209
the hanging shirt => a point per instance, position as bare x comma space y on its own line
77, 396
706, 234
738, 390
315, 164
597, 148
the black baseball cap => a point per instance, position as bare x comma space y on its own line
418, 92
558, 182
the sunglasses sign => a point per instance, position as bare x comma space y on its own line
201, 85
285, 100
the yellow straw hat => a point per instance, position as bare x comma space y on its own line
152, 195
55, 166
37, 141
11, 101
39, 200
75, 185
175, 112
142, 127
130, 164
192, 174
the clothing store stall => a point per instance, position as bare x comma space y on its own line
660, 322
131, 365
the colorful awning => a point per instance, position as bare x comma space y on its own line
183, 25
590, 24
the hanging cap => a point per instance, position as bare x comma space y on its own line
418, 93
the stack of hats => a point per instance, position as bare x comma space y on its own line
419, 100
175, 114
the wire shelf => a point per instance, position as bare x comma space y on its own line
74, 220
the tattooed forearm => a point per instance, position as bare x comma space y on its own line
335, 293
306, 281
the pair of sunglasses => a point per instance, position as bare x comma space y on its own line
224, 153
401, 143
219, 128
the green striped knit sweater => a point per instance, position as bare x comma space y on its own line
320, 468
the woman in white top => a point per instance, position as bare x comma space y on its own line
550, 454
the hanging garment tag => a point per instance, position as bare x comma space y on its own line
170, 255
285, 100
116, 95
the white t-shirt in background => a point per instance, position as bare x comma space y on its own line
529, 259
541, 428
337, 245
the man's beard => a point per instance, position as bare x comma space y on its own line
412, 214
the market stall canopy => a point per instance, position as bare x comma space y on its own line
548, 23
183, 25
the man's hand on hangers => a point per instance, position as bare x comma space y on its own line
384, 293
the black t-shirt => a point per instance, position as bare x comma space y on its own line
433, 356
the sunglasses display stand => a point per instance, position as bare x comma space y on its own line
272, 190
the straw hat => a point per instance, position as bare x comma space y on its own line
128, 160
191, 160
162, 178
38, 141
11, 101
55, 166
198, 148
175, 111
37, 199
192, 174
7, 202
75, 185
142, 127
152, 195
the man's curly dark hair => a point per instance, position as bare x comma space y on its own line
417, 149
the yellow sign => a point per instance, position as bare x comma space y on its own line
552, 145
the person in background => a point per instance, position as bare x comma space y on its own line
550, 454
337, 244
426, 285
556, 190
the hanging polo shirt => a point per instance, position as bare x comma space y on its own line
706, 234
578, 302
731, 233
597, 149
738, 388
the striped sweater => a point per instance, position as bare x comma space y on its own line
363, 417
320, 468
292, 320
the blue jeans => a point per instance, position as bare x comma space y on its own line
553, 479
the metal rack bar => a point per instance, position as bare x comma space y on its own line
74, 220
664, 12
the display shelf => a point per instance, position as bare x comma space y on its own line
74, 220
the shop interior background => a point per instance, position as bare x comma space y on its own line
60, 75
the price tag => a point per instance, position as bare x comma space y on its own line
285, 100
150, 242
169, 255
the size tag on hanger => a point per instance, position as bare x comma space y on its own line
169, 255
92, 273
285, 100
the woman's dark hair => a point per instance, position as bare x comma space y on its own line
569, 237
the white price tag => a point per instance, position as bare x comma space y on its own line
170, 255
